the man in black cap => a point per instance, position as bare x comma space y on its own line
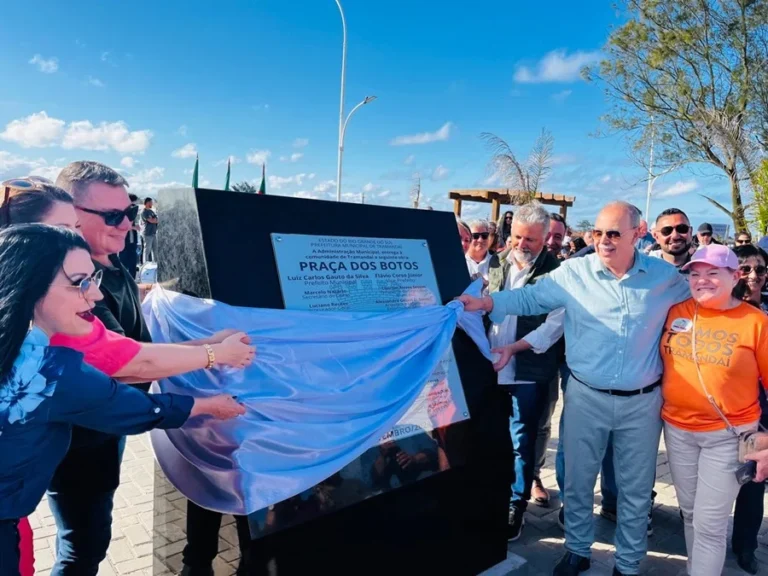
705, 235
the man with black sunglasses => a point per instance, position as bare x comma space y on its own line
674, 234
82, 492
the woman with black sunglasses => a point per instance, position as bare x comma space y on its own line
748, 513
45, 390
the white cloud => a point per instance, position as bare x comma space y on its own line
149, 181
301, 143
258, 156
278, 182
128, 162
678, 189
440, 173
409, 160
325, 186
305, 194
182, 130
605, 179
231, 159
261, 107
50, 171
9, 162
557, 66
311, 176
562, 96
384, 193
47, 66
370, 187
35, 131
95, 82
295, 157
440, 135
186, 151
106, 136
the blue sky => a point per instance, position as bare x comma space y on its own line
145, 86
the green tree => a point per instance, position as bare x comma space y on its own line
686, 69
524, 177
584, 226
246, 187
759, 206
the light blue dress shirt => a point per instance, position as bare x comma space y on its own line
612, 326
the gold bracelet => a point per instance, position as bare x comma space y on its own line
211, 356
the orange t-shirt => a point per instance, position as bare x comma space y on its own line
733, 355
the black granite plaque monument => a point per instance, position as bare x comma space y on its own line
451, 518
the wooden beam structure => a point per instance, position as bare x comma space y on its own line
497, 197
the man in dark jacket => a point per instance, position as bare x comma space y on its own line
527, 359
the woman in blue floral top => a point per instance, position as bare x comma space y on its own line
46, 278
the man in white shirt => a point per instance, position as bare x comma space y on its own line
478, 257
527, 359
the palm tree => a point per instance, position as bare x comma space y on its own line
246, 187
524, 177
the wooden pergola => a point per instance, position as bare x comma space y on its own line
498, 196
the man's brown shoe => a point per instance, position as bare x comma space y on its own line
539, 494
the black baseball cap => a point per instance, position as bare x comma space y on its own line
705, 227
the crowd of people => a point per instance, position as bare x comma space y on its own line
73, 336
645, 331
650, 331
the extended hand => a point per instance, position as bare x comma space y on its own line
222, 335
762, 464
221, 407
472, 304
505, 355
235, 351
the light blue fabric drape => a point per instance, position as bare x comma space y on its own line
324, 388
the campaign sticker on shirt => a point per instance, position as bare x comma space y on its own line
681, 325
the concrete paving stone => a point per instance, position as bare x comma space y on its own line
120, 551
134, 565
136, 534
106, 569
232, 555
44, 559
171, 549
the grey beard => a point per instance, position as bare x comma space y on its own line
523, 257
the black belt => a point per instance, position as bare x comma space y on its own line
623, 393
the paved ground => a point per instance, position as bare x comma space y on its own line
131, 550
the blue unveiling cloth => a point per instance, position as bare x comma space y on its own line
612, 326
324, 388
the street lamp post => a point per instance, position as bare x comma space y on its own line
341, 102
342, 133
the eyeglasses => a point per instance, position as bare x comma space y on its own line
478, 235
741, 242
114, 217
705, 233
612, 235
680, 229
84, 285
17, 186
747, 270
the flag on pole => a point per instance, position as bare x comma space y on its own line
226, 184
263, 187
194, 173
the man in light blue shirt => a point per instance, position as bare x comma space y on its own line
616, 302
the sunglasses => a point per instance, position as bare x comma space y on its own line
114, 217
17, 186
742, 242
747, 270
680, 229
478, 235
84, 285
705, 233
610, 234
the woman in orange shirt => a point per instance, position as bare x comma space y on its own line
710, 397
